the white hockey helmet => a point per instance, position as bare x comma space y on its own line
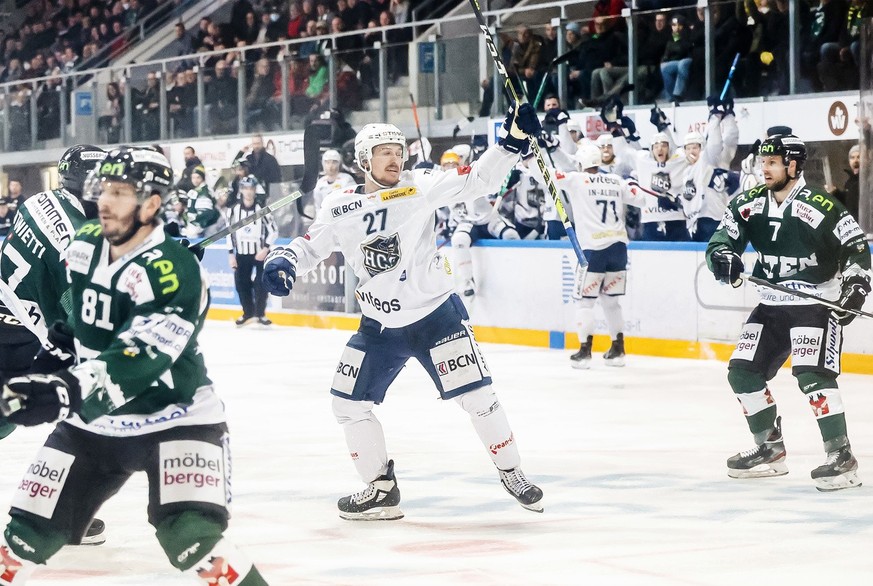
373, 135
694, 137
573, 125
660, 137
464, 151
331, 155
604, 140
587, 156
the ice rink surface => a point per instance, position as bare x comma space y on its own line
631, 460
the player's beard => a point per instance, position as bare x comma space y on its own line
127, 228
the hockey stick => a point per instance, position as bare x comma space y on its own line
803, 295
248, 220
727, 83
554, 63
415, 117
541, 163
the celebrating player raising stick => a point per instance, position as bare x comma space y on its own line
385, 230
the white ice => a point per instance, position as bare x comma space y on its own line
632, 462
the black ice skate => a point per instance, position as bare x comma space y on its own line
528, 495
768, 459
838, 472
582, 358
615, 355
96, 533
378, 502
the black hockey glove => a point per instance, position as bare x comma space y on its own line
727, 267
548, 141
611, 111
728, 106
43, 398
517, 127
853, 296
280, 272
669, 203
659, 119
713, 102
62, 353
555, 117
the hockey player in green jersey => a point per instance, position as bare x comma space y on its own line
808, 241
139, 400
34, 293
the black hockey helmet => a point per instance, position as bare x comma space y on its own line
787, 146
74, 165
148, 171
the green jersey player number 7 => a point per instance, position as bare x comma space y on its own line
140, 399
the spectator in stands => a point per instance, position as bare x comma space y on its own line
316, 89
7, 216
263, 165
192, 161
601, 47
15, 193
221, 100
13, 71
238, 15
296, 22
133, 14
148, 108
113, 112
70, 60
676, 62
654, 34
775, 56
840, 61
322, 30
360, 13
350, 47
307, 9
400, 11
304, 50
248, 32
324, 13
48, 106
726, 44
19, 120
849, 195
179, 104
611, 79
268, 32
398, 53
200, 39
823, 26
181, 45
260, 110
525, 63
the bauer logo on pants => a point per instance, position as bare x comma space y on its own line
456, 363
192, 471
40, 489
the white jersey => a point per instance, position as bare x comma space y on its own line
523, 204
598, 201
705, 183
387, 236
324, 187
476, 212
663, 178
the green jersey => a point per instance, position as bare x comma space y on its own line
808, 242
201, 208
136, 324
31, 259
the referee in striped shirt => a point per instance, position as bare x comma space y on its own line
248, 247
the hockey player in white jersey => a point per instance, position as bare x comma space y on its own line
609, 163
660, 170
598, 200
523, 201
474, 220
334, 179
385, 230
707, 185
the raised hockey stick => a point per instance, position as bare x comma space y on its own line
727, 83
415, 117
538, 155
554, 63
248, 220
803, 295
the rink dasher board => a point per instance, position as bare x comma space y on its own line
673, 306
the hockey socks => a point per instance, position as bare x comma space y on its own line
490, 422
364, 437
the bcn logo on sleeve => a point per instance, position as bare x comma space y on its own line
192, 471
40, 489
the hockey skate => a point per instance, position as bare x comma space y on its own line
96, 533
582, 358
244, 321
378, 502
528, 495
839, 471
615, 355
767, 459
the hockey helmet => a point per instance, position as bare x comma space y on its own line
373, 135
787, 146
660, 137
694, 137
573, 126
331, 155
74, 165
148, 171
464, 152
588, 156
449, 157
249, 182
604, 140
